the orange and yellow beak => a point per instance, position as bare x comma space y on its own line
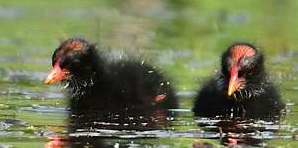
56, 75
234, 83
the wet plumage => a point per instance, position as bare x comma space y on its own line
96, 83
240, 89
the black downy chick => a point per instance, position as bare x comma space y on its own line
96, 84
241, 89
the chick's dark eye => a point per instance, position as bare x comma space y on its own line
63, 63
241, 73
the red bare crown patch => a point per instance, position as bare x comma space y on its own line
239, 51
75, 45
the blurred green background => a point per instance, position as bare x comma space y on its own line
32, 29
184, 38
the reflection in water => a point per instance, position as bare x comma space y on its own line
57, 142
126, 128
243, 132
87, 129
120, 120
74, 142
90, 129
